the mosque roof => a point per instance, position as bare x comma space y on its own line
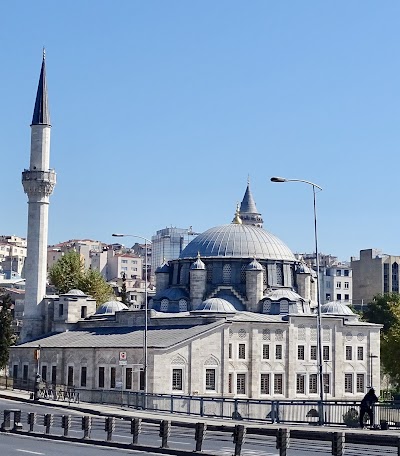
283, 293
41, 113
238, 241
116, 337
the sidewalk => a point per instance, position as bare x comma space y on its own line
124, 412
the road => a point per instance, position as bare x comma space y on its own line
181, 438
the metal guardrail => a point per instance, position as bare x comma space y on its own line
386, 414
49, 426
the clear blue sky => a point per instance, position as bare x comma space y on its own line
161, 109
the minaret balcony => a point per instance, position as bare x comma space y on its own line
39, 182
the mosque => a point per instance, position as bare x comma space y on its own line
234, 316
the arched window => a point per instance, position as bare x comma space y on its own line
279, 274
227, 273
267, 306
265, 276
182, 305
243, 274
164, 305
209, 273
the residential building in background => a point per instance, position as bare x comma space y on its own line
12, 256
336, 277
85, 248
374, 273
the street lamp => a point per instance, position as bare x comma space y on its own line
145, 308
319, 323
371, 357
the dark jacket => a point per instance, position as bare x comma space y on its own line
369, 400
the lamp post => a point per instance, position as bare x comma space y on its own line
371, 357
145, 309
319, 323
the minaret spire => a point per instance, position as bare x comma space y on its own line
248, 210
38, 181
41, 113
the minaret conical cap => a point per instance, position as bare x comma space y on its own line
41, 113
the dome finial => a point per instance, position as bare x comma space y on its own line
237, 218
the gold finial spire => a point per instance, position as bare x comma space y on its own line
44, 53
198, 255
237, 218
248, 179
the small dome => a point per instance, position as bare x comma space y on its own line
283, 293
110, 307
76, 292
254, 266
216, 305
336, 308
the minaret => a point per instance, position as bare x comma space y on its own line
38, 184
248, 211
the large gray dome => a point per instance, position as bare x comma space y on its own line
238, 241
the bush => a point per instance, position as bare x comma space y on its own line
351, 418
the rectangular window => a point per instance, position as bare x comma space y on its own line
44, 373
101, 377
313, 352
300, 352
177, 379
313, 384
346, 272
83, 311
230, 389
83, 375
230, 351
346, 285
339, 272
338, 297
327, 383
264, 384
210, 379
360, 353
265, 353
242, 351
60, 310
348, 383
128, 378
300, 387
278, 384
241, 383
53, 375
346, 297
338, 285
70, 376
349, 353
278, 352
327, 297
15, 371
141, 380
113, 377
25, 373
360, 383
325, 353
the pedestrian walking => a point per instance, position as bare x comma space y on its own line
366, 407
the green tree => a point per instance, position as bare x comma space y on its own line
69, 273
124, 295
7, 336
66, 273
93, 283
385, 310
